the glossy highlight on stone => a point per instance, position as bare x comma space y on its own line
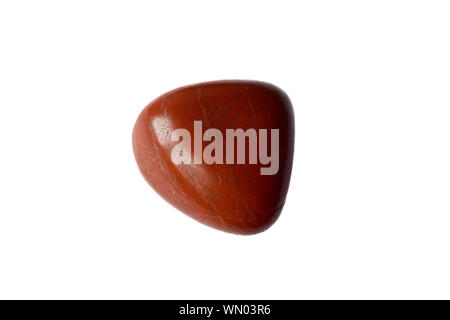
236, 197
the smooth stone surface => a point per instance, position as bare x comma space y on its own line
234, 198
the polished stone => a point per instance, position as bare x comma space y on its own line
212, 182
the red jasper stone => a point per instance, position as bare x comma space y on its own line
232, 197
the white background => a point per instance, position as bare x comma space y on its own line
368, 210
